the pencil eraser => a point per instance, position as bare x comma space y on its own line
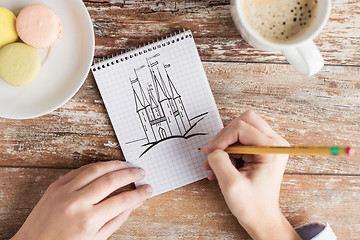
350, 151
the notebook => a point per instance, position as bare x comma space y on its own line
162, 109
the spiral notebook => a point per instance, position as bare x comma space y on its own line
162, 109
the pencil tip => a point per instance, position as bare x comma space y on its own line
199, 149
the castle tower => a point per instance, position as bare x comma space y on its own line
140, 91
147, 105
144, 118
154, 106
181, 114
167, 93
158, 124
168, 114
138, 88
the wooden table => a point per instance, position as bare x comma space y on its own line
321, 110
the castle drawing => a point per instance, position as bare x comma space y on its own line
159, 106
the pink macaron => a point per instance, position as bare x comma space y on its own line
38, 26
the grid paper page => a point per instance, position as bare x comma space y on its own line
162, 110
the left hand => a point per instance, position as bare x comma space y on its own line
75, 206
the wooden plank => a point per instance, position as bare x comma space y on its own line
120, 25
196, 211
322, 110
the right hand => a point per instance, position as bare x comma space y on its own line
251, 192
76, 206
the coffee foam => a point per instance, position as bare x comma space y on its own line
280, 20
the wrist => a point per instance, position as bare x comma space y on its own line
270, 226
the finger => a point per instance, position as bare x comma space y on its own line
220, 133
114, 224
211, 175
241, 132
275, 163
95, 171
217, 135
258, 122
206, 165
108, 183
223, 168
115, 205
70, 175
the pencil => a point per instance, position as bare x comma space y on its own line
294, 150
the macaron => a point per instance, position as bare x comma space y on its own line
19, 64
7, 27
38, 26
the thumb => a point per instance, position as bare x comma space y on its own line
224, 170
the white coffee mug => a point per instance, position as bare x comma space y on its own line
301, 53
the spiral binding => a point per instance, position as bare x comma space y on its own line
135, 52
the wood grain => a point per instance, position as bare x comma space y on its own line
196, 211
321, 110
120, 25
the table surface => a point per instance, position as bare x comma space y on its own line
319, 110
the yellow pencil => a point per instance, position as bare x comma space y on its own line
294, 150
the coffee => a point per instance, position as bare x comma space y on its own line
280, 20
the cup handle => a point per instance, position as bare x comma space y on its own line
305, 58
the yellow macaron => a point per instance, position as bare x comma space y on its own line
19, 64
8, 32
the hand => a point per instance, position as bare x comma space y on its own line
252, 191
73, 207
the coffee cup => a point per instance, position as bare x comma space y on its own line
288, 26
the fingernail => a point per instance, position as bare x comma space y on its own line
202, 148
141, 171
210, 176
205, 148
129, 164
148, 188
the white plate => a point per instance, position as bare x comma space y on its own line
64, 70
